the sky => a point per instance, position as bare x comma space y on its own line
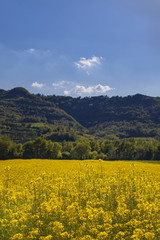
80, 48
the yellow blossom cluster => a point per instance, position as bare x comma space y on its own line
79, 200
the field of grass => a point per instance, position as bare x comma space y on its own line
85, 200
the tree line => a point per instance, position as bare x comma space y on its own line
130, 149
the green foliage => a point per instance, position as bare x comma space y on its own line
131, 149
81, 151
65, 127
5, 147
62, 136
41, 148
25, 116
132, 116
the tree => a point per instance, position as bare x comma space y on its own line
5, 147
53, 150
40, 147
17, 151
81, 151
107, 147
29, 150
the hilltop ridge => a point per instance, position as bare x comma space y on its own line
25, 116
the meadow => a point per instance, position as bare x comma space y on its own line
85, 200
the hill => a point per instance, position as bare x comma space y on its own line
25, 116
131, 116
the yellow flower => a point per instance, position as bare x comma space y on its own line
18, 236
137, 234
64, 200
120, 235
149, 235
49, 237
102, 236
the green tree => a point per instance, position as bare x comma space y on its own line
107, 148
81, 151
29, 150
17, 151
54, 150
40, 148
5, 147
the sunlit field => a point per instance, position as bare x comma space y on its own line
51, 199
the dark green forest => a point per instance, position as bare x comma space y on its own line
38, 126
131, 149
25, 116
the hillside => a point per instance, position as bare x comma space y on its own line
25, 116
132, 116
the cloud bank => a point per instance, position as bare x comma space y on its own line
82, 90
61, 84
37, 85
31, 50
87, 64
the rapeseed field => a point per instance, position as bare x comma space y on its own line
85, 200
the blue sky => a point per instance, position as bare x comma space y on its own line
80, 48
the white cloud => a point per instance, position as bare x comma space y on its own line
82, 90
38, 85
89, 63
102, 89
31, 50
58, 84
66, 92
61, 84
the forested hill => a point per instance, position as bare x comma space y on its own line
131, 116
25, 116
